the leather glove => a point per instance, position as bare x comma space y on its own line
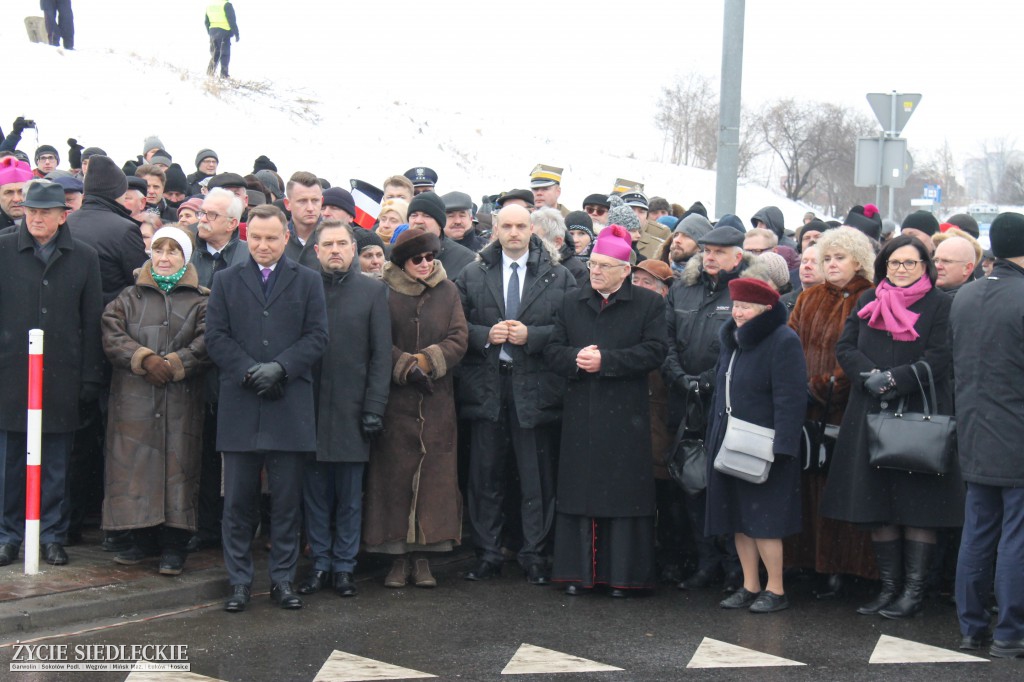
690, 383
158, 370
266, 375
21, 123
275, 392
88, 392
420, 381
75, 155
878, 383
371, 426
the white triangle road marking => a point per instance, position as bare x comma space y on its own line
713, 653
896, 650
345, 667
530, 659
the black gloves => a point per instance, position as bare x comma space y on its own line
75, 155
879, 384
420, 381
372, 425
263, 377
21, 123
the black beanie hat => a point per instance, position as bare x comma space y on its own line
105, 179
365, 238
431, 204
867, 220
176, 180
580, 220
414, 241
46, 149
1007, 235
923, 221
263, 163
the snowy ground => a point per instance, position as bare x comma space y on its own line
331, 102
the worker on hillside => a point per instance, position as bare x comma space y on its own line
221, 25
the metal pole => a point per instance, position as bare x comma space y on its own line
892, 133
727, 167
34, 441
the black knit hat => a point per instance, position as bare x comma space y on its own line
1007, 235
263, 163
431, 204
923, 221
340, 198
366, 238
867, 220
176, 180
105, 179
579, 220
46, 149
412, 242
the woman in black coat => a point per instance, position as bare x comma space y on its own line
902, 322
768, 388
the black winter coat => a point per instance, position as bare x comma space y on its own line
354, 375
244, 327
604, 467
987, 334
769, 388
472, 240
574, 265
108, 228
454, 257
64, 299
858, 492
538, 391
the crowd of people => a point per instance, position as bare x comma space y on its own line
250, 356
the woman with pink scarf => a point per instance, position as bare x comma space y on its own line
902, 322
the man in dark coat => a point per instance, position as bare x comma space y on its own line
606, 340
511, 297
107, 227
990, 429
427, 210
697, 307
266, 325
458, 225
48, 281
351, 383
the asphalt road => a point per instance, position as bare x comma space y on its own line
471, 631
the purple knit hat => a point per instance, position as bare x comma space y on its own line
614, 241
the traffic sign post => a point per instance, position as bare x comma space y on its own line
883, 161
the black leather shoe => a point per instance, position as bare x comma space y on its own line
575, 590
8, 554
1011, 649
172, 562
536, 574
238, 600
700, 580
133, 555
485, 570
769, 602
740, 599
285, 597
316, 581
55, 554
975, 643
117, 541
344, 585
199, 542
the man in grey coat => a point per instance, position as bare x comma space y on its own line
351, 384
987, 337
266, 326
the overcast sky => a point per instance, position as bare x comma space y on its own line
549, 66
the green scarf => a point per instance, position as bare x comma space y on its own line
167, 282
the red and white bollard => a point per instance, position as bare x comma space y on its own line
34, 439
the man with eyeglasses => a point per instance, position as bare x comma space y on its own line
597, 207
511, 295
47, 159
697, 307
760, 240
955, 260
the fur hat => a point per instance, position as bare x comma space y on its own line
105, 179
1007, 235
621, 214
431, 204
750, 290
414, 241
614, 242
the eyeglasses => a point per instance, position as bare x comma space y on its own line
416, 260
947, 261
595, 210
601, 267
209, 215
756, 252
907, 265
46, 157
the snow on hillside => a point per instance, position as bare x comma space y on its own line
305, 113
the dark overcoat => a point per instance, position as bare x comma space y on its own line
769, 388
243, 328
354, 375
859, 492
154, 434
63, 298
604, 465
987, 331
412, 487
538, 391
108, 227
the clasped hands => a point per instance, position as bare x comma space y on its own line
508, 331
266, 379
589, 359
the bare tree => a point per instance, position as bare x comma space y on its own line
990, 174
688, 114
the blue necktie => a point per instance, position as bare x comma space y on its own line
511, 307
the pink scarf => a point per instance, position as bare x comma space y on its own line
889, 311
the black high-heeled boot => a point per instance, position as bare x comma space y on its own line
916, 561
889, 559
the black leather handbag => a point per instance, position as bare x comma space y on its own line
818, 440
918, 442
687, 461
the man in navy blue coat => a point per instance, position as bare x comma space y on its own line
266, 326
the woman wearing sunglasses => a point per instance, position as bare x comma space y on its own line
901, 322
413, 505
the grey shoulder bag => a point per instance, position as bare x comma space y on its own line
748, 450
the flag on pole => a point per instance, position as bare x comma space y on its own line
368, 200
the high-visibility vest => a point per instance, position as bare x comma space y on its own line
217, 16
